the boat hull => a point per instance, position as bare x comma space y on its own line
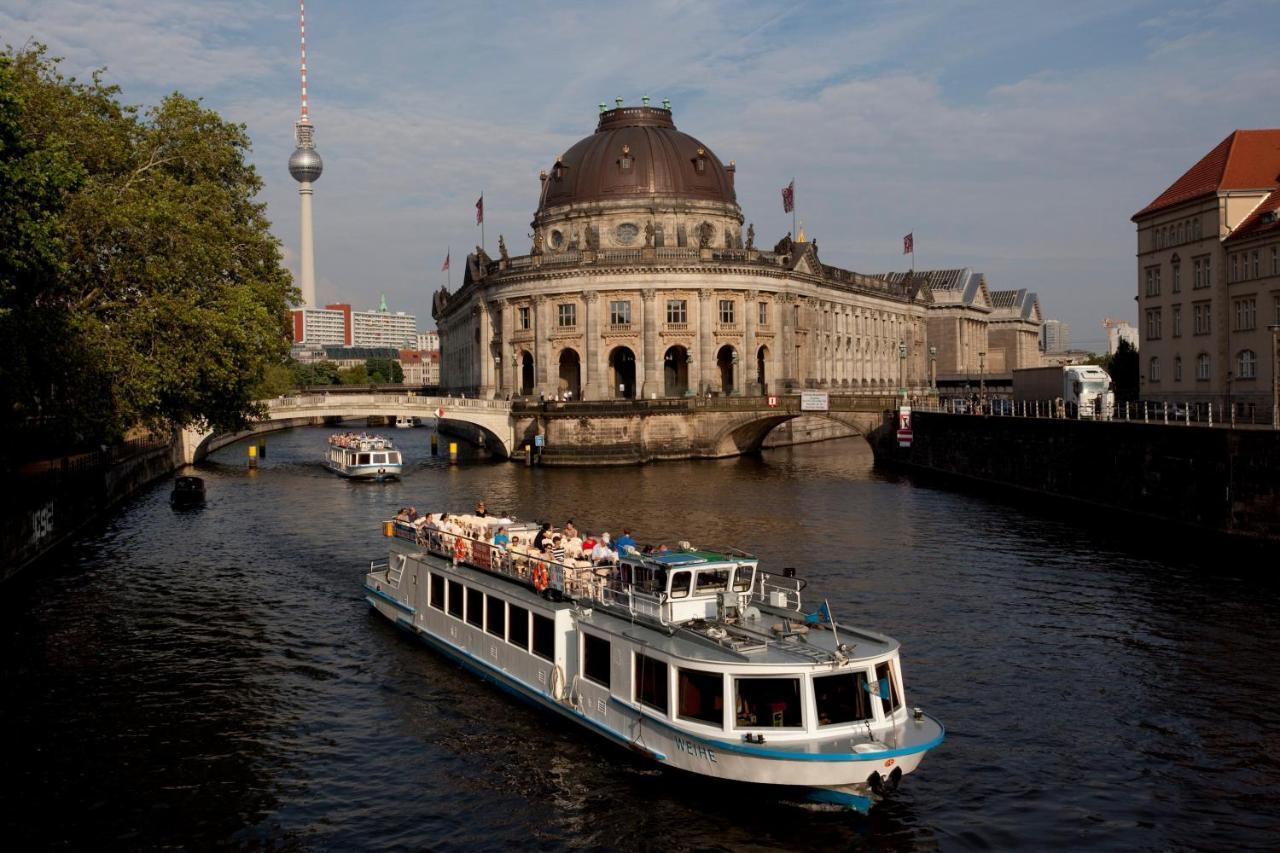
367, 472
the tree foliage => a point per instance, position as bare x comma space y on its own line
139, 283
384, 370
1122, 367
320, 373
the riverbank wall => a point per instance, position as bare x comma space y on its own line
1212, 478
47, 507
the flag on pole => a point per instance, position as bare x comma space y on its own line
480, 209
789, 197
908, 244
445, 265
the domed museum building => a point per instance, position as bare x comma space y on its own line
643, 280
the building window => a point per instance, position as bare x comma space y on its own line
1153, 324
1153, 281
1247, 364
1203, 273
677, 311
595, 659
1246, 314
1177, 321
1201, 318
1202, 367
568, 315
1257, 270
1177, 277
700, 696
764, 313
1195, 228
1275, 260
620, 313
1235, 268
524, 317
1177, 368
1153, 369
1275, 309
1181, 232
651, 683
726, 311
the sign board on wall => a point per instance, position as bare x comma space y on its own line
814, 401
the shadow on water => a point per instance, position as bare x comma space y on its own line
214, 678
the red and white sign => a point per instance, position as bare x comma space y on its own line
904, 426
439, 413
773, 402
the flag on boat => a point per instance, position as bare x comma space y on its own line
909, 243
480, 209
445, 265
823, 615
789, 197
880, 688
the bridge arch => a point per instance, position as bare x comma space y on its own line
746, 434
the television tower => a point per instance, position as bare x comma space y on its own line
305, 166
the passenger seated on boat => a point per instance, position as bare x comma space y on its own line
573, 548
569, 530
540, 538
480, 510
602, 553
501, 537
625, 541
557, 549
588, 542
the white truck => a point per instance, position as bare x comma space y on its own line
1081, 390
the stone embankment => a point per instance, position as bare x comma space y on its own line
1214, 478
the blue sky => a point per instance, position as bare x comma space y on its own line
1013, 137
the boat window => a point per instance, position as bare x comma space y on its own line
455, 599
379, 459
841, 698
651, 682
544, 637
713, 580
742, 578
475, 607
495, 616
437, 591
364, 458
701, 696
680, 584
518, 627
887, 688
770, 702
595, 659
394, 458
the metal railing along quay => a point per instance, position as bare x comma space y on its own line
1200, 413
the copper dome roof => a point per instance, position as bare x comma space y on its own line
636, 153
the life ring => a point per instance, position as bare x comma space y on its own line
459, 549
540, 577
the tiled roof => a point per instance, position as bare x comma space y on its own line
1247, 159
1265, 219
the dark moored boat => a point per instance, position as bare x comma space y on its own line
187, 491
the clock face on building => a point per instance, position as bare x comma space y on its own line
556, 239
627, 233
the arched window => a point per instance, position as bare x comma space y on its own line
1247, 364
1202, 366
1153, 369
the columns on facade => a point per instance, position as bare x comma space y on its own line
485, 354
706, 342
650, 378
541, 346
748, 380
593, 385
507, 352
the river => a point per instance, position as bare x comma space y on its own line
214, 678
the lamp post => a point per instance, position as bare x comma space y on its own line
933, 368
982, 376
1275, 375
902, 367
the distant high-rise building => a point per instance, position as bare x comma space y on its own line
327, 326
382, 328
338, 325
1117, 331
429, 341
1055, 336
305, 167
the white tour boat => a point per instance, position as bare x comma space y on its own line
405, 422
363, 457
694, 658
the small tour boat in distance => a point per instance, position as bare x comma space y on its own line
694, 658
187, 491
361, 456
405, 422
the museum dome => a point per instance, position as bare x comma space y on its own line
637, 154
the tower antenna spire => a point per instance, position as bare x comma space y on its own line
305, 166
302, 33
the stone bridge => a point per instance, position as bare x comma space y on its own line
607, 432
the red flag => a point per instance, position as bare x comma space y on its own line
480, 209
445, 265
908, 243
789, 197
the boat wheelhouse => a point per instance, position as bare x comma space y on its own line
696, 658
363, 457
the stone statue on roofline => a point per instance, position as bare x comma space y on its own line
649, 232
784, 245
537, 243
751, 235
704, 235
502, 248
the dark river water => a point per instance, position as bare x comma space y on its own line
214, 679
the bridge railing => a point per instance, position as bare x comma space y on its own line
409, 401
1242, 414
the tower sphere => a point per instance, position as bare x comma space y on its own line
305, 165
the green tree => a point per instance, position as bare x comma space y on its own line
356, 375
384, 370
277, 380
139, 283
320, 373
1124, 371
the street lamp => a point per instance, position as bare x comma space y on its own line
933, 367
982, 376
902, 366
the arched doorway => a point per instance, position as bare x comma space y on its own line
526, 373
727, 362
570, 374
622, 373
675, 372
762, 358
